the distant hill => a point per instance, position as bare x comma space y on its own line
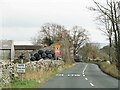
105, 49
101, 45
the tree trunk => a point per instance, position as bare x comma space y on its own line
66, 45
118, 53
110, 44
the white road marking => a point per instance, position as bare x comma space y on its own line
83, 75
78, 75
91, 84
86, 79
85, 68
68, 75
62, 74
59, 74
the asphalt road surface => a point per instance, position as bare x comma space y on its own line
82, 75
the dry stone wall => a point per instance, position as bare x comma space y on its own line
44, 65
8, 70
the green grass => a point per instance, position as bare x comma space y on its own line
34, 83
22, 84
1, 86
35, 79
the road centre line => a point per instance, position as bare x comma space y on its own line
91, 84
86, 79
85, 68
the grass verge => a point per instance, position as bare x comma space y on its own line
35, 79
109, 69
22, 84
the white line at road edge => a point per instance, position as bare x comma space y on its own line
91, 84
85, 68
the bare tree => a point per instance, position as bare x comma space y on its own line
52, 31
37, 40
49, 33
58, 34
106, 28
66, 46
79, 38
109, 11
90, 51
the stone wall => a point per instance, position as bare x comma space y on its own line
44, 64
26, 53
8, 70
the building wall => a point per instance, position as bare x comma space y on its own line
5, 54
12, 51
6, 50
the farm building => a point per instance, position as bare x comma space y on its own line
6, 50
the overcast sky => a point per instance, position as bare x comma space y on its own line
20, 20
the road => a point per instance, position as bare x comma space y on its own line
82, 75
